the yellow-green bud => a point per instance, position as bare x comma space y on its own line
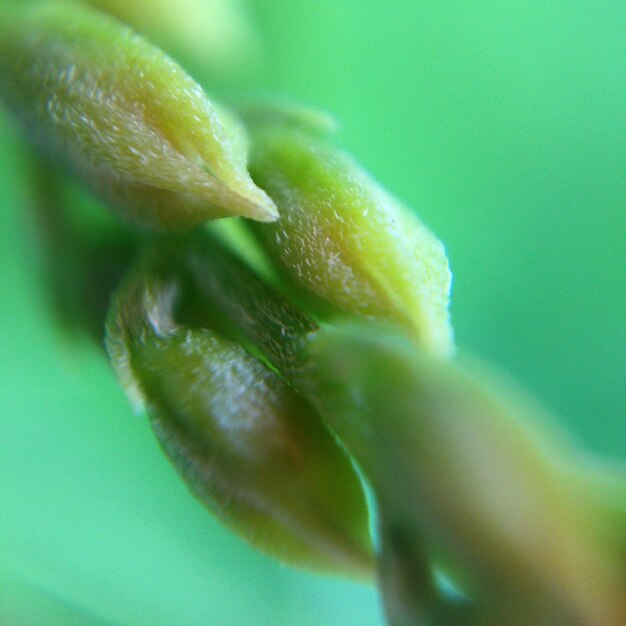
342, 241
249, 447
215, 33
125, 117
469, 472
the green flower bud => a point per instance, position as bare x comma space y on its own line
343, 242
214, 32
466, 470
249, 447
125, 117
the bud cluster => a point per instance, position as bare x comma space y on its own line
301, 352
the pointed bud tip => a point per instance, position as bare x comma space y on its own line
345, 245
126, 118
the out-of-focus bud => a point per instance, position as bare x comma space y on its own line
466, 470
249, 447
216, 33
125, 117
344, 244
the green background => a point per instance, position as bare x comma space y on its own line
502, 124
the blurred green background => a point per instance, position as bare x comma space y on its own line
502, 124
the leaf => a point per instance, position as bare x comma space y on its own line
125, 117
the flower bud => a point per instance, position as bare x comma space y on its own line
469, 473
125, 117
344, 244
216, 33
249, 447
